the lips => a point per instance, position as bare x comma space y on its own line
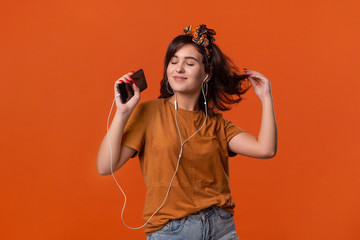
178, 78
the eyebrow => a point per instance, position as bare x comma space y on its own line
188, 58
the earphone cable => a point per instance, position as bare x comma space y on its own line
176, 169
112, 173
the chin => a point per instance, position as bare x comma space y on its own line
185, 91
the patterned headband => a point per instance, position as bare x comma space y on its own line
201, 35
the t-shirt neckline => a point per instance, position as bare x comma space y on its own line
180, 109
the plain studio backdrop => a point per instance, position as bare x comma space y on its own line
60, 59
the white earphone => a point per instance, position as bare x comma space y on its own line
206, 78
177, 166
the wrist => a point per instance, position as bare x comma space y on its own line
267, 100
123, 115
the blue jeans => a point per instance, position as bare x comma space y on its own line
212, 223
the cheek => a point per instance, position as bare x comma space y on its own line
169, 69
167, 72
198, 74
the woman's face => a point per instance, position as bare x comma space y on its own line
186, 71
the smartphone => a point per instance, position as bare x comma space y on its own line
126, 90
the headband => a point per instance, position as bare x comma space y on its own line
201, 35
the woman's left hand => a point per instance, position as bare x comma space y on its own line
262, 88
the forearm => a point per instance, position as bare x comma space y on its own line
115, 134
267, 138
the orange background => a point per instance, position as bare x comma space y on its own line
59, 61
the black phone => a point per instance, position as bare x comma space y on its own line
126, 90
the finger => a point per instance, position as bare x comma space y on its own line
128, 78
132, 80
120, 80
136, 89
248, 70
253, 75
253, 83
254, 79
127, 75
136, 96
125, 79
117, 83
257, 75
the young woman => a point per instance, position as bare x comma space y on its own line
184, 143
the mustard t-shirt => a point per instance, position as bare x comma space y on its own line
202, 179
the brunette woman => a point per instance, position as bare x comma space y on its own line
184, 143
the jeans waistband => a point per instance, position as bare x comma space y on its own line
207, 212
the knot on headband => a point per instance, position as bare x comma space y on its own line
201, 35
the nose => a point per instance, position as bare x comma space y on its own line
180, 67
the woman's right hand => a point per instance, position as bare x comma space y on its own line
129, 105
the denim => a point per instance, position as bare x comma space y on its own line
212, 223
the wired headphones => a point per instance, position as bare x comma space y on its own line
178, 162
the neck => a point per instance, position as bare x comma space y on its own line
187, 102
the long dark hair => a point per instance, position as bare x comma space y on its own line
226, 82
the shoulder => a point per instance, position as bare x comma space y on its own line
225, 122
218, 117
229, 127
152, 103
151, 107
220, 120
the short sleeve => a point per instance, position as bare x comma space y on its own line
231, 130
135, 129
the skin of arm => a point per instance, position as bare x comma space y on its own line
265, 146
120, 154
